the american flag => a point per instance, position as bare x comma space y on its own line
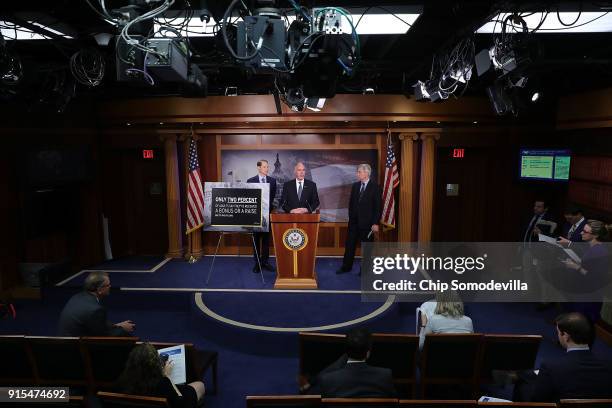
391, 181
195, 193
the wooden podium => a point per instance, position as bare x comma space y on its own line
295, 244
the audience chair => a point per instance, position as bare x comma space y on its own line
58, 361
399, 353
586, 403
319, 350
16, 367
359, 402
106, 358
114, 400
283, 401
450, 365
438, 404
507, 352
198, 361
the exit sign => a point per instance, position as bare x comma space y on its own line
148, 154
458, 153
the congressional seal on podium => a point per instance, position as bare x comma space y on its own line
295, 239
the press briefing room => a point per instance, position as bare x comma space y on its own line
306, 204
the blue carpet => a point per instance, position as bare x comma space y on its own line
257, 362
228, 273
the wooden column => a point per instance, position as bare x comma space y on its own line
406, 195
194, 240
173, 199
426, 191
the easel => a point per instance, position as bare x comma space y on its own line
221, 235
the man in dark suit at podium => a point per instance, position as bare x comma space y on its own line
262, 239
300, 195
364, 215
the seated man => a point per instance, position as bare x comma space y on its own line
84, 315
351, 376
578, 374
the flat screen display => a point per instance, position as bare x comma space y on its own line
547, 165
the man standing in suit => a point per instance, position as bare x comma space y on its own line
535, 226
84, 315
364, 215
573, 228
300, 195
577, 374
262, 239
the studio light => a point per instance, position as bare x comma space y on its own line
535, 97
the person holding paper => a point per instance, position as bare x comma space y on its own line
572, 231
300, 195
146, 374
592, 273
538, 223
364, 214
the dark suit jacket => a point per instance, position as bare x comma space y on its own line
309, 200
365, 212
358, 380
83, 315
578, 374
272, 182
545, 230
576, 237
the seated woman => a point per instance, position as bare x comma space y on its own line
145, 374
448, 317
593, 272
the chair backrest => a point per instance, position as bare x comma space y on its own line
451, 360
397, 352
518, 404
115, 400
107, 357
318, 350
585, 403
438, 404
16, 367
58, 360
359, 402
283, 401
508, 352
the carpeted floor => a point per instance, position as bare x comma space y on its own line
253, 362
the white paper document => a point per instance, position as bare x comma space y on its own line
176, 356
492, 399
546, 238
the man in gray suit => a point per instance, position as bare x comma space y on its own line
84, 314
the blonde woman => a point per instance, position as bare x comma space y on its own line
448, 317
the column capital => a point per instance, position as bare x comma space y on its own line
404, 137
425, 136
434, 136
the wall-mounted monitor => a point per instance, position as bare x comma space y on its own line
546, 165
